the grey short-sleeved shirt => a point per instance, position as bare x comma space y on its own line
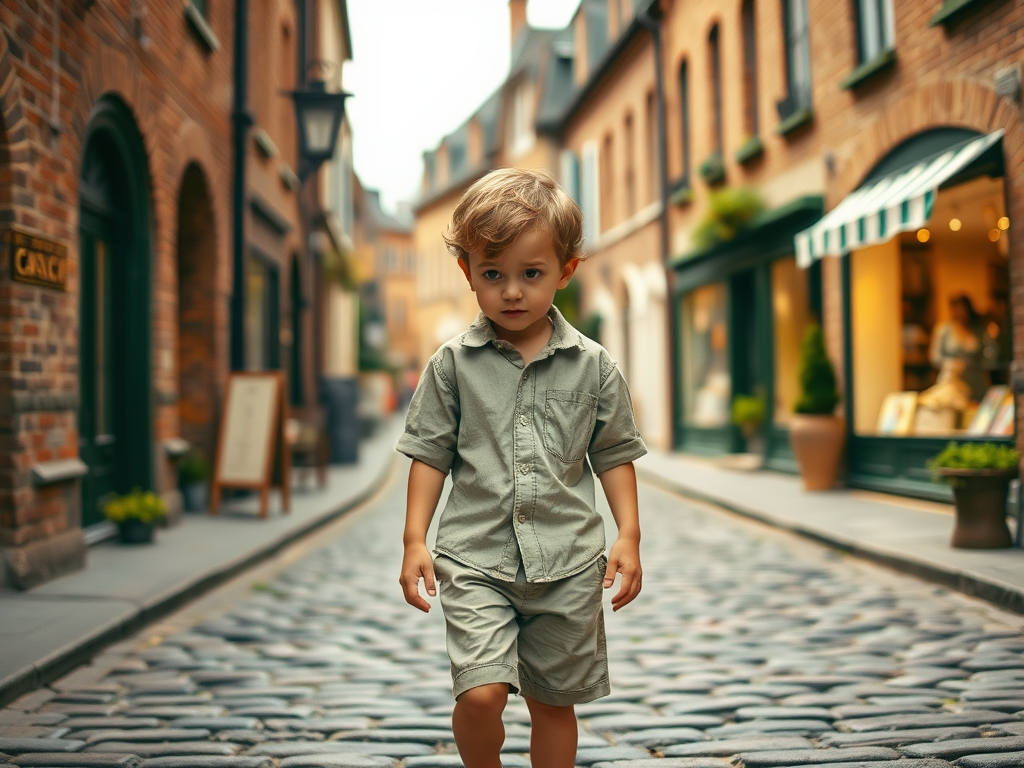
517, 441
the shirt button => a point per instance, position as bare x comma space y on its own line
524, 469
524, 419
521, 518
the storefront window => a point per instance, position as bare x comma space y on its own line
707, 384
790, 318
261, 318
930, 322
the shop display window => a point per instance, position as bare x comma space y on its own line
707, 384
791, 314
930, 322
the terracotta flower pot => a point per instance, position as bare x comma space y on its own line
979, 497
817, 442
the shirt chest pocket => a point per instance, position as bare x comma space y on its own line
568, 423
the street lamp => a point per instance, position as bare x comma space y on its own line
319, 113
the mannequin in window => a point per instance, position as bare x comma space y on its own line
964, 348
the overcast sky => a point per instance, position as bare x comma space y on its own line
419, 69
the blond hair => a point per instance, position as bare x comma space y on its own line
498, 208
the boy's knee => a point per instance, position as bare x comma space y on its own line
485, 700
549, 710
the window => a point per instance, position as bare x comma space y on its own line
521, 119
798, 58
715, 62
875, 28
410, 261
607, 177
651, 148
570, 174
684, 110
707, 383
630, 150
400, 314
590, 194
930, 323
390, 259
261, 316
791, 314
750, 68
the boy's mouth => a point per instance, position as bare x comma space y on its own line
513, 312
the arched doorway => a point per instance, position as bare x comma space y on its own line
197, 305
114, 340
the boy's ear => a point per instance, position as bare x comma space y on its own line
567, 272
464, 266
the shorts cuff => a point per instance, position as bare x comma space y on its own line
485, 674
565, 698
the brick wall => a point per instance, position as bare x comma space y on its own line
178, 94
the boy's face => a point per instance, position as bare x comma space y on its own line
515, 288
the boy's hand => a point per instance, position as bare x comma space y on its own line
417, 564
624, 558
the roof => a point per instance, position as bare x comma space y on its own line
381, 219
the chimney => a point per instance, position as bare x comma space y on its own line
517, 18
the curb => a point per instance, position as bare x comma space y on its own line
1003, 596
62, 661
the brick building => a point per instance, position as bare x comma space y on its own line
116, 277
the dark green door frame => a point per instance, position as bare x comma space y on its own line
114, 199
744, 264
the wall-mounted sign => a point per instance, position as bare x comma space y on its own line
37, 260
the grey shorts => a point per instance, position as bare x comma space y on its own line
545, 640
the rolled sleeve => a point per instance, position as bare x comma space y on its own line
615, 440
432, 423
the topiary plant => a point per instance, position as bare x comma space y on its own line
975, 456
144, 506
818, 393
748, 413
193, 468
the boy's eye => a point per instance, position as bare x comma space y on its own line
532, 274
492, 274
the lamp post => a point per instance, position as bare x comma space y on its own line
319, 113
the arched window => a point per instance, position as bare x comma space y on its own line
629, 139
684, 113
715, 61
798, 57
750, 68
875, 28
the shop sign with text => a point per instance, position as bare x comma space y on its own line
37, 260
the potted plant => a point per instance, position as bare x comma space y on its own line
748, 413
979, 474
194, 480
135, 514
816, 434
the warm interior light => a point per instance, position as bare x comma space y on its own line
993, 235
955, 225
1003, 223
923, 235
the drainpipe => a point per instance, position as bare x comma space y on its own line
650, 18
241, 121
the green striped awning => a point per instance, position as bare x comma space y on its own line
900, 202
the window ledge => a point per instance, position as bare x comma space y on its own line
798, 119
202, 27
952, 9
869, 69
264, 143
288, 177
59, 471
752, 148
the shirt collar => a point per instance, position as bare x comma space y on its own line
563, 335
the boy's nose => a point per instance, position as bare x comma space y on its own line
513, 291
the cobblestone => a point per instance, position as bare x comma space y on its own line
746, 647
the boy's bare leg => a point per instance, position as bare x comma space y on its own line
476, 722
553, 735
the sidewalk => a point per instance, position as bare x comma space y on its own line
46, 631
905, 534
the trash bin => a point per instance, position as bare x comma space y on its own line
340, 396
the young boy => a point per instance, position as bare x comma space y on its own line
513, 407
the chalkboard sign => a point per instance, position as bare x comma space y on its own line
251, 449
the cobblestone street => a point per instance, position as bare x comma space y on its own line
747, 647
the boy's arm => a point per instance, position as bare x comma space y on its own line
425, 484
619, 485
